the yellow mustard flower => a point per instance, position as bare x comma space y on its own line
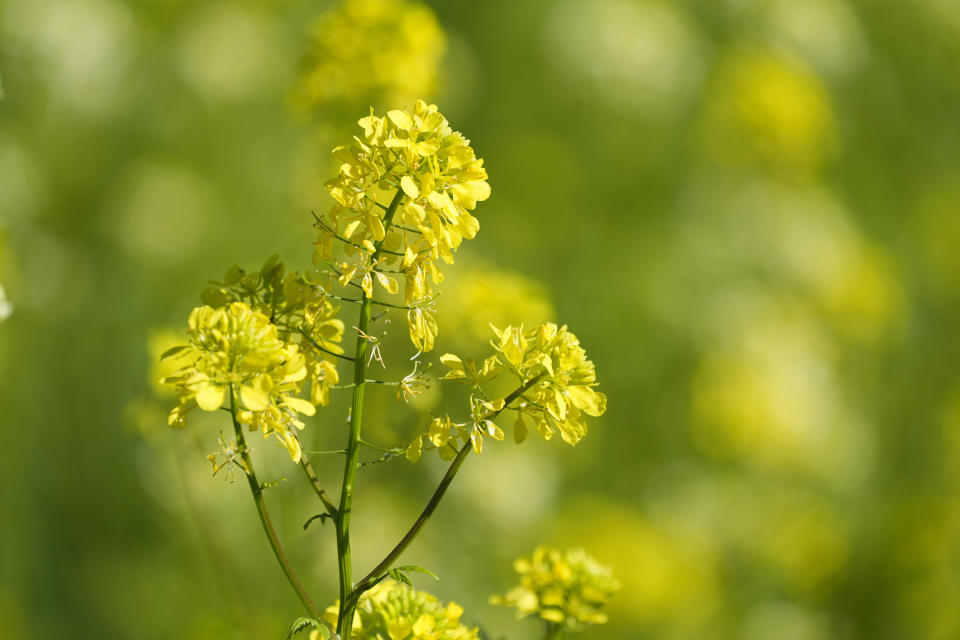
557, 382
367, 52
236, 347
430, 174
565, 388
392, 610
301, 310
566, 588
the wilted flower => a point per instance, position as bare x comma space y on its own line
566, 588
392, 610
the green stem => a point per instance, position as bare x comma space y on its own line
552, 630
345, 616
371, 578
258, 500
315, 483
316, 346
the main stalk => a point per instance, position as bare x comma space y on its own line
345, 565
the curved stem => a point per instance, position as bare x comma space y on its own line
371, 578
345, 616
258, 500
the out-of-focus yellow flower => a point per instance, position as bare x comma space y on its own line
235, 347
567, 588
431, 175
670, 575
396, 612
483, 295
370, 52
769, 390
769, 110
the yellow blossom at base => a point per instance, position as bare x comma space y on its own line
567, 588
392, 610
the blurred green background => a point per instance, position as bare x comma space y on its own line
747, 210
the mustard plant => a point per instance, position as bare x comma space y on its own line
267, 348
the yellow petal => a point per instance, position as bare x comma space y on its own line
367, 285
423, 625
398, 628
254, 398
409, 187
210, 397
401, 119
300, 405
388, 283
586, 399
415, 449
452, 361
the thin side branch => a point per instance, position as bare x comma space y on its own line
370, 579
265, 520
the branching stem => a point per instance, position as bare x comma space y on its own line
371, 578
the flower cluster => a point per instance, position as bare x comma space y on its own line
392, 610
370, 52
300, 309
261, 335
566, 588
235, 350
557, 387
565, 380
403, 196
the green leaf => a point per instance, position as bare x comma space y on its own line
213, 297
173, 351
402, 570
399, 576
272, 484
233, 275
323, 517
304, 623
